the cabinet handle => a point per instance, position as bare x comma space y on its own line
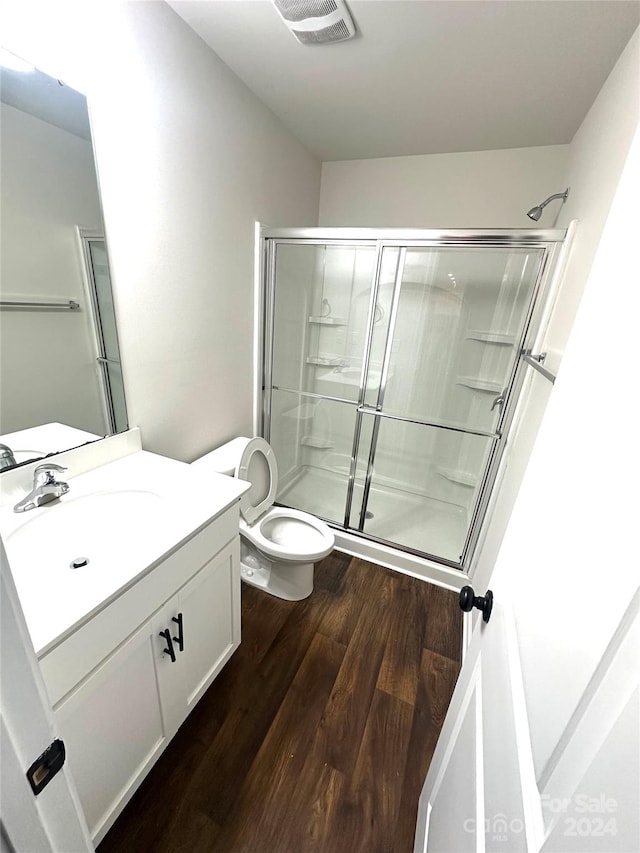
180, 638
166, 634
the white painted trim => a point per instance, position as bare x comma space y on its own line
406, 564
605, 698
480, 799
531, 802
467, 633
421, 839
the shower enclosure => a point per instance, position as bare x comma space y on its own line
392, 364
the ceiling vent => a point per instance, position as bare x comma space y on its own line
317, 21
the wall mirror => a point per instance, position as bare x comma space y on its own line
59, 354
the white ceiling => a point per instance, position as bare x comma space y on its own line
425, 76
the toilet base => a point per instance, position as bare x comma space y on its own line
289, 580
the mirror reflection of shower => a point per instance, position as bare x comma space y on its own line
105, 333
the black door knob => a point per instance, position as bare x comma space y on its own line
469, 600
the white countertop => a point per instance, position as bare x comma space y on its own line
39, 441
57, 599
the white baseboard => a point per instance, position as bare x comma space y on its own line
407, 564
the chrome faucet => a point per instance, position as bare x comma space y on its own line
45, 488
7, 459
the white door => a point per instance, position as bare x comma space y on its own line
539, 750
483, 792
52, 820
480, 782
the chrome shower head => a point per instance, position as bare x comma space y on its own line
536, 212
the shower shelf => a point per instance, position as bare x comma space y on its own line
463, 478
324, 361
329, 321
303, 412
479, 384
316, 442
491, 337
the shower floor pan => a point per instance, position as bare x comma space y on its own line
399, 517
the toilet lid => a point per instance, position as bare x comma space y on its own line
257, 466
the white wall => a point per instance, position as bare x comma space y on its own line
48, 370
474, 189
596, 157
188, 158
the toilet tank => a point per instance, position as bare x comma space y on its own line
224, 459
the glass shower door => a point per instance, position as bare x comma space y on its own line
320, 320
392, 366
454, 324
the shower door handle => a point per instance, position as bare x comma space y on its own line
499, 401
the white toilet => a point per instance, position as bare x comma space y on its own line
278, 545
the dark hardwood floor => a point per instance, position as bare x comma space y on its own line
317, 735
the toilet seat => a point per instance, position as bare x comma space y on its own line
290, 534
279, 532
257, 465
278, 545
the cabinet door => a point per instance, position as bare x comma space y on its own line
114, 725
209, 605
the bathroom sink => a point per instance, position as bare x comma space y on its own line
126, 512
95, 530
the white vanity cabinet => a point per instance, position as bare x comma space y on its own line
114, 726
118, 696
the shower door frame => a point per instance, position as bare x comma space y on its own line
548, 240
87, 236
